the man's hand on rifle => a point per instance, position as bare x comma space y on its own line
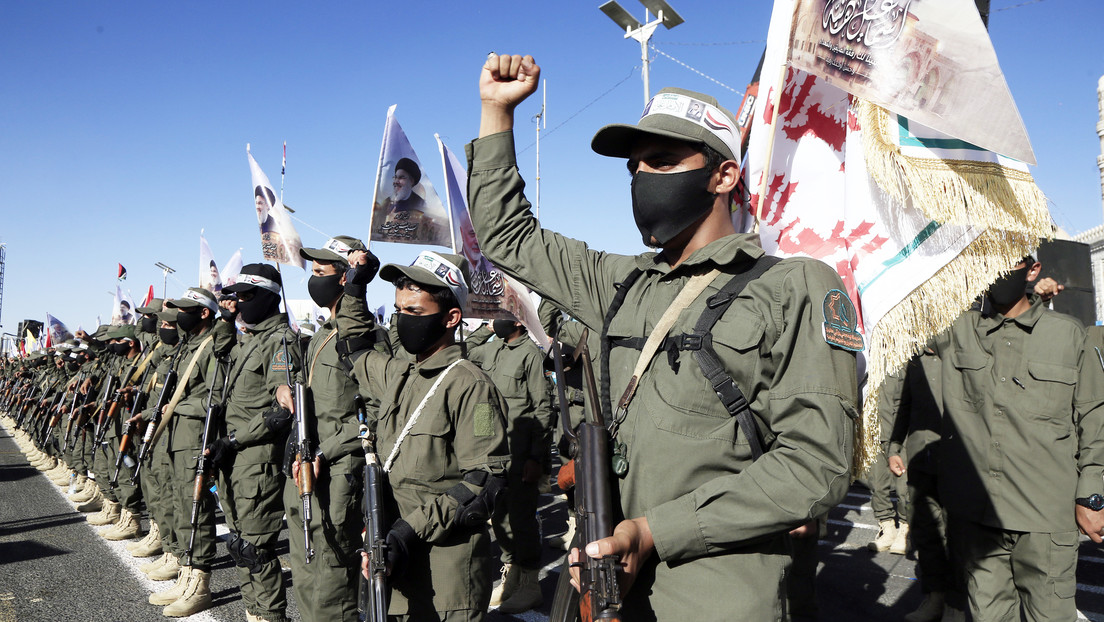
631, 542
318, 468
135, 419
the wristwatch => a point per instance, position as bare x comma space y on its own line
1093, 502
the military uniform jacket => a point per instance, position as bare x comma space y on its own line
1023, 427
916, 428
191, 410
257, 368
517, 369
690, 473
462, 428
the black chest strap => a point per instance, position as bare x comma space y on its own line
700, 342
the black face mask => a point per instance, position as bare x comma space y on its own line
418, 332
72, 366
119, 348
148, 325
1008, 289
168, 336
503, 328
665, 204
188, 320
263, 305
324, 290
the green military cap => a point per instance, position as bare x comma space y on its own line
124, 331
168, 315
436, 270
675, 113
336, 249
153, 307
101, 332
195, 298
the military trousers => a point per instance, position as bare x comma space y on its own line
1009, 571
515, 519
183, 486
156, 482
255, 495
928, 531
326, 589
883, 483
103, 464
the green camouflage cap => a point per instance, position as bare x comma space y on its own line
675, 113
434, 269
153, 308
336, 249
195, 298
124, 331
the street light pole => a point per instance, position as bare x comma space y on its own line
165, 272
643, 32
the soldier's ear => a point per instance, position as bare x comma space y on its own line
1034, 270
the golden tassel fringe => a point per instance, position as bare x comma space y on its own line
1005, 202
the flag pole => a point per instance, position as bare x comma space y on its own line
448, 194
776, 99
540, 120
379, 172
283, 169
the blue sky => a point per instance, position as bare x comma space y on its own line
123, 125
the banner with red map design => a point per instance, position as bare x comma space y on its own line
907, 274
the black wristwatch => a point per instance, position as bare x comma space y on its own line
1093, 502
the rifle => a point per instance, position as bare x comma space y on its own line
52, 417
107, 416
74, 409
375, 593
106, 413
304, 453
202, 459
599, 592
138, 402
163, 398
25, 403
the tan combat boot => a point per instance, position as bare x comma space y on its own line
93, 501
63, 477
901, 543
83, 492
150, 566
48, 464
128, 526
505, 588
195, 598
174, 593
885, 537
108, 514
527, 594
148, 546
564, 541
166, 572
930, 610
75, 485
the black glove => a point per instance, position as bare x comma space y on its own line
222, 449
399, 541
357, 278
278, 420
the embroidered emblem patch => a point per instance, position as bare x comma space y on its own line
841, 322
279, 362
484, 420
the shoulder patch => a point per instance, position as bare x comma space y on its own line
841, 322
279, 361
484, 419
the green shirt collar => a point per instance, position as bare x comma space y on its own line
721, 252
440, 360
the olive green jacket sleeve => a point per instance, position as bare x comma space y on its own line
1088, 405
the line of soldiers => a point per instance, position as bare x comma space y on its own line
183, 412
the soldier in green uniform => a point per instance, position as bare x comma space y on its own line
1021, 451
152, 482
705, 529
893, 523
516, 366
440, 432
204, 340
913, 451
252, 482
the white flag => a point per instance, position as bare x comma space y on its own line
209, 278
280, 242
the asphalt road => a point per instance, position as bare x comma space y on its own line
54, 566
